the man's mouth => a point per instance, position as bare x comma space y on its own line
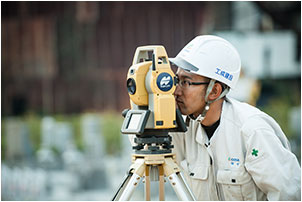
178, 101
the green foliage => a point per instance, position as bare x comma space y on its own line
111, 125
75, 121
284, 95
278, 109
3, 140
34, 125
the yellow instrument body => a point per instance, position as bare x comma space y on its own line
154, 82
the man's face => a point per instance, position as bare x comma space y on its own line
190, 100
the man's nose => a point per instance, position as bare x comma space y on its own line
177, 91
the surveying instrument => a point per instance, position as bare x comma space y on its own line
150, 84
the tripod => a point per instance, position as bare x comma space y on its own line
153, 153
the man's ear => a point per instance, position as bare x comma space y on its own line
216, 91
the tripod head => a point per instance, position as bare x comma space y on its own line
153, 113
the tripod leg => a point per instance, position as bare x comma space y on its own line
122, 186
161, 183
147, 184
131, 181
129, 188
180, 187
177, 181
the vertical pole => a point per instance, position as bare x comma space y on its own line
161, 183
147, 183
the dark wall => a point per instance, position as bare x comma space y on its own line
70, 57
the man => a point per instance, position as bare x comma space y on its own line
231, 151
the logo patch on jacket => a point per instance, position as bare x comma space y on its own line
234, 161
255, 152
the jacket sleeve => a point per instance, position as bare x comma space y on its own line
273, 167
178, 141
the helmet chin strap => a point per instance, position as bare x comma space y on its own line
201, 116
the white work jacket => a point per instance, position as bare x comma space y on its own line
247, 158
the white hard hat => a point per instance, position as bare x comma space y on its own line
212, 57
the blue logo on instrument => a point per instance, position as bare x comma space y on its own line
164, 81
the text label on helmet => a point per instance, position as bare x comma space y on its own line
224, 74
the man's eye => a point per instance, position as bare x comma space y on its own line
185, 83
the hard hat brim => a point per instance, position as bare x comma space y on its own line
183, 64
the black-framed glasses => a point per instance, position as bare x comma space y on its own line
186, 83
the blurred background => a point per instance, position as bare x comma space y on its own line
63, 83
